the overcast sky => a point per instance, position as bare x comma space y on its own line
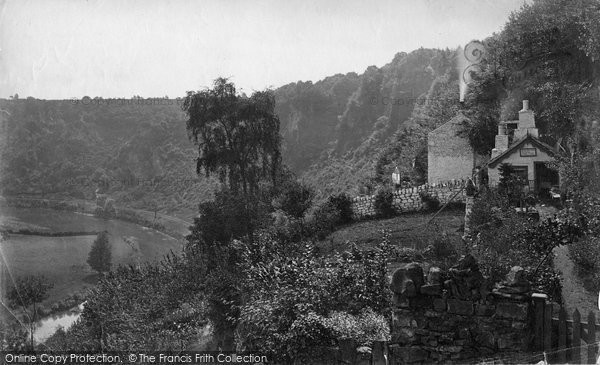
61, 49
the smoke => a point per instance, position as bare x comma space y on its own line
468, 60
461, 66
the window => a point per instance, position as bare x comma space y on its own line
522, 173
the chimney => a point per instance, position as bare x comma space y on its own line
526, 119
501, 144
526, 124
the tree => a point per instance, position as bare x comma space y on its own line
99, 258
294, 199
28, 291
238, 140
237, 136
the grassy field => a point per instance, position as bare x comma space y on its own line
408, 230
63, 259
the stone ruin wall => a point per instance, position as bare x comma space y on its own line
409, 199
457, 315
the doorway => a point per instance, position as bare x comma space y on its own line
545, 178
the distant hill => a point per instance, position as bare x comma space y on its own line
343, 133
333, 133
138, 152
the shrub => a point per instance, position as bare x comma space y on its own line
586, 256
431, 202
406, 254
384, 203
515, 240
291, 291
365, 328
294, 199
343, 205
324, 220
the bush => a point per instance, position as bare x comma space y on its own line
430, 202
586, 256
292, 292
384, 203
343, 205
335, 211
365, 328
294, 199
516, 241
311, 332
406, 254
324, 220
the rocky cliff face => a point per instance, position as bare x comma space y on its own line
336, 130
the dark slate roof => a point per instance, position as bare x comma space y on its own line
535, 141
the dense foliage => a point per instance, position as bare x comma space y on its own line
144, 308
543, 54
28, 291
135, 150
384, 203
293, 297
581, 183
237, 136
505, 238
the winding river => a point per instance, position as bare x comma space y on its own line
63, 259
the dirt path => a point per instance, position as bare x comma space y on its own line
573, 292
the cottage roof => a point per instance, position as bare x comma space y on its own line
458, 119
535, 141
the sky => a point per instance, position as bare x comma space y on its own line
59, 49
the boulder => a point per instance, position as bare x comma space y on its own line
407, 281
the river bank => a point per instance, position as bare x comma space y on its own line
61, 257
172, 226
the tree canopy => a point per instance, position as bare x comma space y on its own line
237, 136
99, 258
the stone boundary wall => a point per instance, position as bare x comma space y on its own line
448, 317
409, 199
458, 315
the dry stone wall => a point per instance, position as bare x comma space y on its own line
457, 315
410, 199
447, 317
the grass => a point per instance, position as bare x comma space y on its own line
408, 230
63, 259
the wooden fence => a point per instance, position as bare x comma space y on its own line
564, 340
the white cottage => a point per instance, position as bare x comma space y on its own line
518, 144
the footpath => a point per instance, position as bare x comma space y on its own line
574, 294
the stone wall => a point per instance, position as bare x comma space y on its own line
410, 199
447, 317
457, 315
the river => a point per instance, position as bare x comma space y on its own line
63, 259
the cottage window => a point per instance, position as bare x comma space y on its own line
522, 173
